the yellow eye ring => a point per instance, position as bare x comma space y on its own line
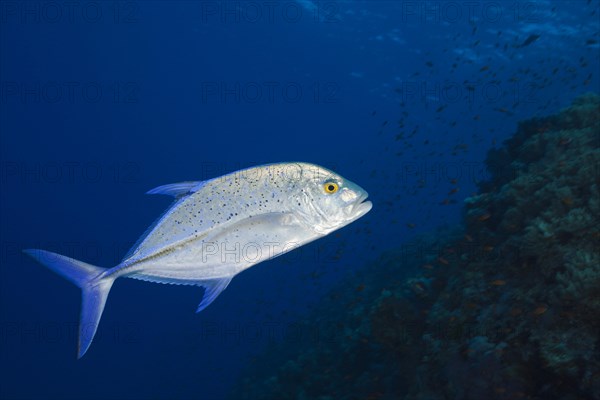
330, 187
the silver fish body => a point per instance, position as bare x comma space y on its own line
217, 228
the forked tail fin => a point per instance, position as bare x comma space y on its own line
94, 290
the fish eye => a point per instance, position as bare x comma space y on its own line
330, 187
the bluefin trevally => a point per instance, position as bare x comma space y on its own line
217, 228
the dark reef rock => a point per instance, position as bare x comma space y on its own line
509, 308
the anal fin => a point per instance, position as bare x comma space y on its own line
213, 288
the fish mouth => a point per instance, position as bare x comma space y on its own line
360, 207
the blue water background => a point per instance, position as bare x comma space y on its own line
106, 100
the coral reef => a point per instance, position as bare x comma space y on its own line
508, 307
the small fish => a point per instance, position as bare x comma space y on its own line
484, 217
498, 282
530, 39
565, 141
503, 110
215, 229
540, 310
419, 288
567, 201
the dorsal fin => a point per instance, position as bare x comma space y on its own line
180, 191
177, 190
149, 230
